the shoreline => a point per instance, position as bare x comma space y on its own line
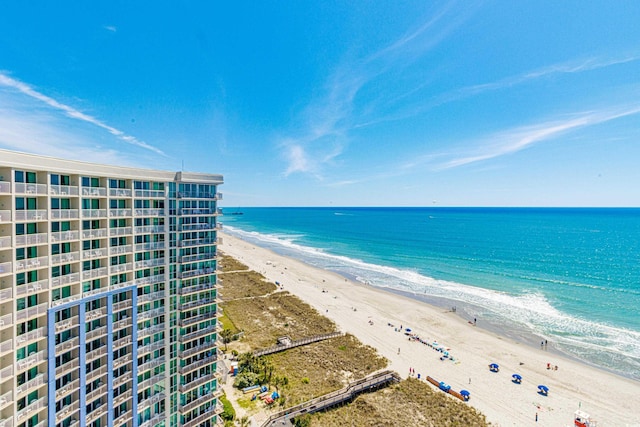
366, 312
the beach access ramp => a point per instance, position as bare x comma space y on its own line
296, 343
369, 383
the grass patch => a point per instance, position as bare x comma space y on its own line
409, 403
320, 368
226, 323
245, 284
226, 263
265, 319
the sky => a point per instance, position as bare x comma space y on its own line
337, 103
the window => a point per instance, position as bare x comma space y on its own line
19, 176
20, 205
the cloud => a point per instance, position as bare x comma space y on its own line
25, 89
514, 140
322, 134
111, 28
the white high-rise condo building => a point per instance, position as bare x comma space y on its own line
108, 305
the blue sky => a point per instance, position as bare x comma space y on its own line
343, 103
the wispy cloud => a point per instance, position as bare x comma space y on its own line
111, 28
514, 140
327, 120
69, 111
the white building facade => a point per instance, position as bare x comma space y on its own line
108, 296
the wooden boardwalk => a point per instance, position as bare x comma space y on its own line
369, 383
297, 343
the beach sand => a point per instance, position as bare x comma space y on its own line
367, 312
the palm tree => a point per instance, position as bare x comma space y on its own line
226, 335
244, 421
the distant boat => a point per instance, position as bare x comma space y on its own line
237, 212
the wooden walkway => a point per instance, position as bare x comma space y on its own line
297, 343
369, 383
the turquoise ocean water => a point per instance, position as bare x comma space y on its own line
571, 276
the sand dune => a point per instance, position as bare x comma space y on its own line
368, 312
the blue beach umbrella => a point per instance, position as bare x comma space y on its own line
465, 394
517, 378
494, 367
543, 389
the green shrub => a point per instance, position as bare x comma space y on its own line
246, 379
228, 413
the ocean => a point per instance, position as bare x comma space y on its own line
570, 276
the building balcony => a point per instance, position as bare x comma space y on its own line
28, 188
144, 349
119, 192
66, 300
121, 324
153, 420
66, 324
93, 292
196, 212
66, 368
67, 411
209, 360
5, 242
150, 401
149, 194
209, 414
194, 273
120, 231
29, 288
65, 214
121, 285
122, 418
189, 406
94, 191
5, 187
63, 347
98, 233
115, 213
65, 236
197, 303
6, 321
96, 373
150, 314
6, 294
5, 216
31, 264
63, 190
6, 373
7, 422
149, 246
6, 346
122, 305
95, 273
156, 379
148, 212
31, 360
150, 280
149, 229
198, 257
147, 263
67, 279
6, 399
147, 332
197, 242
153, 363
36, 334
210, 346
195, 319
37, 381
32, 239
94, 253
196, 227
118, 250
31, 215
68, 388
6, 268
121, 361
121, 342
122, 379
197, 334
31, 409
95, 333
118, 400
96, 353
27, 313
151, 297
66, 258
94, 213
94, 394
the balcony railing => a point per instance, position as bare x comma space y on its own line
122, 305
67, 411
63, 190
65, 280
31, 215
197, 242
117, 250
196, 319
119, 212
149, 263
149, 229
32, 408
31, 335
187, 407
65, 258
95, 234
95, 333
209, 414
94, 213
5, 187
151, 279
6, 320
27, 313
34, 359
6, 294
196, 288
94, 191
6, 268
36, 381
119, 192
39, 286
149, 212
121, 285
157, 194
97, 272
208, 330
121, 268
67, 345
198, 257
150, 297
94, 253
149, 246
146, 315
6, 346
6, 372
5, 242
66, 324
22, 188
194, 273
64, 236
197, 364
120, 231
5, 216
197, 303
31, 239
65, 214
31, 263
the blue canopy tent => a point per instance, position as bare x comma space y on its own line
517, 378
465, 394
543, 390
444, 386
494, 367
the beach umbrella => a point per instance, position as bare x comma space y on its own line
516, 378
494, 367
543, 389
408, 329
465, 394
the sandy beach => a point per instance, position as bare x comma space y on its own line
375, 317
